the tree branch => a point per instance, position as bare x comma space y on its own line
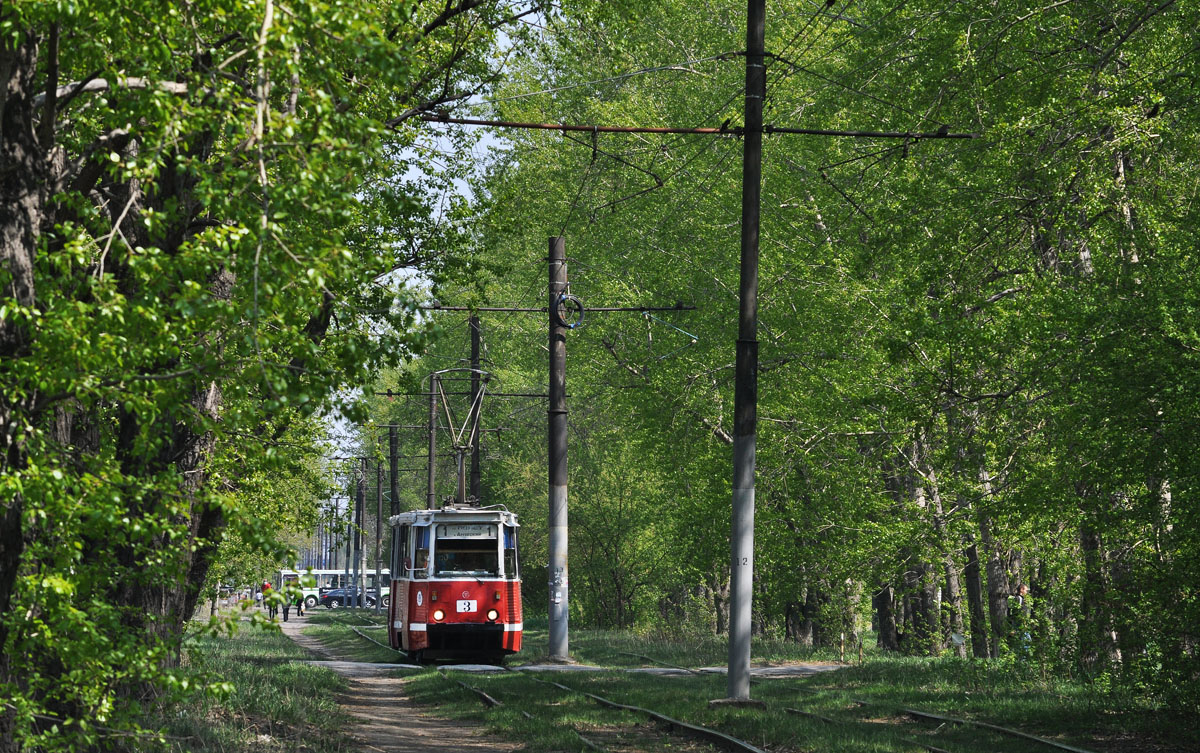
102, 84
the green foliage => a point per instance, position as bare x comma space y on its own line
207, 236
962, 343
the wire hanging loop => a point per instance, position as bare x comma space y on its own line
568, 311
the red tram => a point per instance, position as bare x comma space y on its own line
456, 587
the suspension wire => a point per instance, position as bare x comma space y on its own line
619, 77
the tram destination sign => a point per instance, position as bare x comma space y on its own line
467, 531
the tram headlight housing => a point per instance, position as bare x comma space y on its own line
492, 615
438, 615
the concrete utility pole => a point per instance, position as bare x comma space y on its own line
359, 502
349, 545
557, 436
556, 425
473, 324
745, 407
394, 470
431, 493
378, 534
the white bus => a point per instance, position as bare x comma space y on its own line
326, 579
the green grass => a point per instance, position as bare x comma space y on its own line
621, 648
1063, 714
288, 701
332, 627
277, 702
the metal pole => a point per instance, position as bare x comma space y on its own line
557, 436
393, 470
359, 502
349, 544
746, 368
378, 534
460, 492
430, 495
473, 324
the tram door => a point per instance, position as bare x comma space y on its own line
402, 576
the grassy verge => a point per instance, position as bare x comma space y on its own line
855, 709
621, 648
333, 628
834, 721
858, 708
274, 703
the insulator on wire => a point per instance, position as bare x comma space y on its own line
568, 311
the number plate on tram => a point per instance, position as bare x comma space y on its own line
467, 605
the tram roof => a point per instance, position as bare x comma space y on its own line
457, 514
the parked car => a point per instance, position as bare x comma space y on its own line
340, 597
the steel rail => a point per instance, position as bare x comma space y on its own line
729, 742
663, 663
488, 700
995, 728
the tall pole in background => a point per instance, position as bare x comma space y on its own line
430, 493
745, 407
349, 543
378, 533
557, 432
394, 470
360, 495
473, 324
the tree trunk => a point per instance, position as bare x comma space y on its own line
978, 620
997, 579
887, 638
1097, 638
931, 640
22, 205
952, 599
720, 597
795, 629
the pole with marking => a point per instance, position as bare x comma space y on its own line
473, 323
360, 498
745, 407
430, 493
378, 534
394, 470
557, 440
349, 548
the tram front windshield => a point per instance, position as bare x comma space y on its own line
477, 555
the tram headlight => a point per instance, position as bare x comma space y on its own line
438, 615
493, 614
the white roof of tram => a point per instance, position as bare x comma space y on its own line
455, 514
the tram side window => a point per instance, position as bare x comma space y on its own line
421, 558
510, 552
400, 563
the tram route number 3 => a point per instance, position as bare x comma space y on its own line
467, 605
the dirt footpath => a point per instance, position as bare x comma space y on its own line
388, 719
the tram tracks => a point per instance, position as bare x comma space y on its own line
918, 714
678, 727
670, 724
